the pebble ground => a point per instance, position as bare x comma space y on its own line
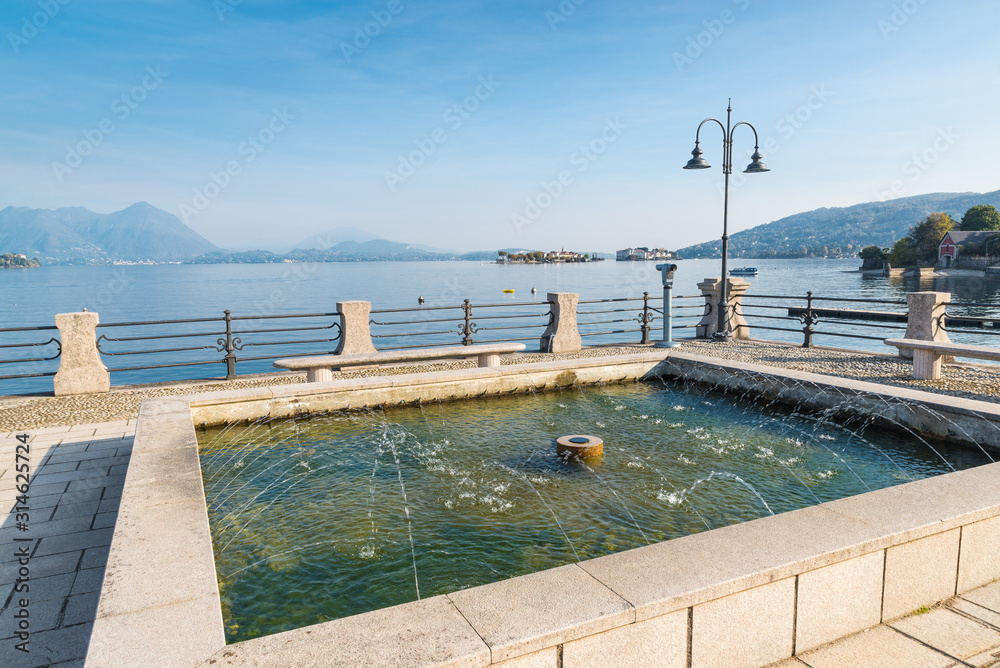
122, 403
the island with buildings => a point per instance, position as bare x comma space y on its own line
644, 254
545, 257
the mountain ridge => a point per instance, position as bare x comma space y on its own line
834, 228
77, 235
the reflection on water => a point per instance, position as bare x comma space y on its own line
323, 518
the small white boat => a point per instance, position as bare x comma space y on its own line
743, 271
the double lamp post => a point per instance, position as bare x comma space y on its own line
722, 332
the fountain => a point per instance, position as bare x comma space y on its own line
695, 520
410, 501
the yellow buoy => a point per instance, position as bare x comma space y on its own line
508, 291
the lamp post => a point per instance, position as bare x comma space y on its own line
722, 332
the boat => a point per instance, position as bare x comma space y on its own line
743, 271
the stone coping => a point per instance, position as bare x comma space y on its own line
160, 600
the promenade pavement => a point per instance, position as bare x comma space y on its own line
78, 472
77, 475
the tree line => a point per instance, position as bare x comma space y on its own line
920, 246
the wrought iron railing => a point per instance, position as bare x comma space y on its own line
242, 343
428, 326
623, 311
227, 337
775, 310
52, 350
971, 320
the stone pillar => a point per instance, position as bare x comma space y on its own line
737, 324
81, 370
355, 330
925, 320
562, 336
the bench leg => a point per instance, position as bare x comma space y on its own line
492, 359
926, 365
319, 374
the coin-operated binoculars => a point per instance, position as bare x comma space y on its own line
667, 271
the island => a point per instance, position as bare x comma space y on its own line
543, 257
17, 261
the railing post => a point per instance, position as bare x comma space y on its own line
808, 319
355, 328
705, 329
81, 370
562, 334
925, 319
467, 327
230, 347
646, 318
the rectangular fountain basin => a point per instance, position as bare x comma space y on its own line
758, 591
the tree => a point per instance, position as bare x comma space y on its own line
872, 253
502, 253
903, 253
981, 217
927, 236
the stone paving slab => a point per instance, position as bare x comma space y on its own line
879, 647
77, 478
949, 632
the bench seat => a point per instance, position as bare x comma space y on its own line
320, 367
927, 354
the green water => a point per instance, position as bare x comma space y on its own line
341, 514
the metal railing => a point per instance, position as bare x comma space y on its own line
972, 321
16, 332
244, 342
227, 338
526, 323
840, 322
625, 310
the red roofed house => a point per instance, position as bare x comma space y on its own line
955, 241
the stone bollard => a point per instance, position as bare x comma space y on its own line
925, 320
709, 323
81, 370
562, 335
355, 329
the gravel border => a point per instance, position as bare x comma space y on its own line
982, 382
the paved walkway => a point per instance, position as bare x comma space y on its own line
77, 478
964, 631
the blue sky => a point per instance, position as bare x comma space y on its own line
262, 122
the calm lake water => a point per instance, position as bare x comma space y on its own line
166, 292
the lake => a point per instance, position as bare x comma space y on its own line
167, 292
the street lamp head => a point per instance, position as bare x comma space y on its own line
697, 162
757, 165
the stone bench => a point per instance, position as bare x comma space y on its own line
927, 354
320, 368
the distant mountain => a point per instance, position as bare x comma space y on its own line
244, 257
77, 235
330, 238
828, 231
374, 249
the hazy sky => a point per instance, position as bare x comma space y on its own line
481, 125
